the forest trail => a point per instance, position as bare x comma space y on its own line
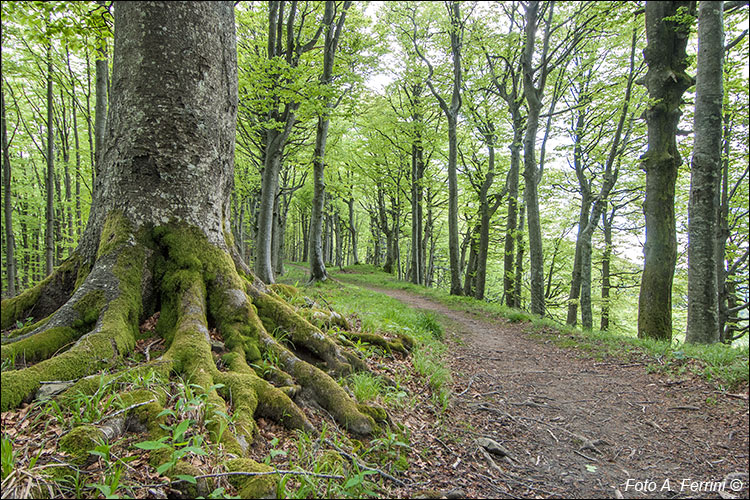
573, 426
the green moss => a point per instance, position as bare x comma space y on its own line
286, 291
89, 307
40, 346
327, 392
200, 489
252, 486
116, 231
79, 441
114, 338
29, 328
378, 414
17, 308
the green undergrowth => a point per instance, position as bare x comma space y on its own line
380, 313
726, 366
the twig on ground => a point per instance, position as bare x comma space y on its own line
363, 465
585, 456
471, 381
124, 410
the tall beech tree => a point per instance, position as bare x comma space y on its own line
705, 172
286, 44
450, 109
534, 77
10, 244
159, 237
333, 28
667, 31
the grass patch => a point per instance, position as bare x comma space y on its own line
380, 313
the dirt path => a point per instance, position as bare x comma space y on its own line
574, 427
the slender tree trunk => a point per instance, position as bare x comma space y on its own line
531, 172
511, 227
705, 174
451, 113
353, 231
89, 123
416, 189
606, 259
317, 262
10, 241
339, 241
484, 232
667, 34
722, 228
79, 219
49, 242
269, 189
519, 263
102, 88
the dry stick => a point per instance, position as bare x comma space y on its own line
471, 381
364, 466
107, 417
553, 436
148, 348
585, 456
445, 445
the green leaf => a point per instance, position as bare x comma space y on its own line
591, 468
185, 477
164, 467
195, 450
151, 445
179, 431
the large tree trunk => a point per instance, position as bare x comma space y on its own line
703, 307
159, 238
667, 32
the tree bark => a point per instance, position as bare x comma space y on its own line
531, 172
10, 241
353, 231
332, 34
666, 81
49, 243
606, 260
451, 113
705, 173
102, 87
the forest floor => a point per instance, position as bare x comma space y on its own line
571, 425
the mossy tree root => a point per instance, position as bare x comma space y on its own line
44, 298
197, 286
100, 320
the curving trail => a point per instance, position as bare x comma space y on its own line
573, 426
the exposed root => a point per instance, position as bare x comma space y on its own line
43, 299
198, 287
111, 298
